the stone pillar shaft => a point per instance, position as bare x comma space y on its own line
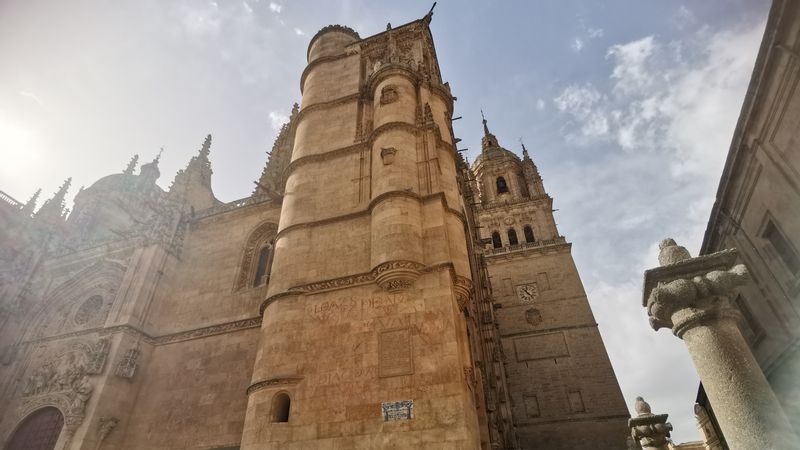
750, 415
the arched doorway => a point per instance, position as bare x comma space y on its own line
39, 431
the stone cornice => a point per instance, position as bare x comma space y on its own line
495, 205
526, 248
325, 105
369, 208
358, 279
330, 28
320, 157
272, 382
211, 330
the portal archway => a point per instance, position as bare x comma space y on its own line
39, 431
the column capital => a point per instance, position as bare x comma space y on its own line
684, 292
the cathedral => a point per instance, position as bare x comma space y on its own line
374, 291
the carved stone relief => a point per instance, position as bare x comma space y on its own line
126, 367
387, 155
61, 378
389, 94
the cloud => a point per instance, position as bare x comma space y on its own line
594, 33
585, 35
647, 140
680, 98
684, 18
631, 70
277, 119
203, 20
275, 7
577, 44
540, 105
32, 96
299, 32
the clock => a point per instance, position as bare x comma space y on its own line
527, 293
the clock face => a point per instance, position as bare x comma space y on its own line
527, 293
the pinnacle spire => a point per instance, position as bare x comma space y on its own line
205, 150
524, 150
485, 127
53, 209
489, 140
131, 165
30, 205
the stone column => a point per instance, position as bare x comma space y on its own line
692, 296
650, 430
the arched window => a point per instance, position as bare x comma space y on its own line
257, 257
512, 237
280, 407
502, 187
496, 242
529, 234
262, 274
38, 431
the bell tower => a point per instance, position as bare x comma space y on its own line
563, 390
363, 344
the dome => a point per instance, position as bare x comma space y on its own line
495, 154
114, 182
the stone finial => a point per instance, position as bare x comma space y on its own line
642, 407
671, 252
650, 430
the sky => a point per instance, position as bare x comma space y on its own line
627, 107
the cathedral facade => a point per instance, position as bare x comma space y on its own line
374, 291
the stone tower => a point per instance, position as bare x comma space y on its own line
563, 390
362, 329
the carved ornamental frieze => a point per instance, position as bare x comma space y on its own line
61, 377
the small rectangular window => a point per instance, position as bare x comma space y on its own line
752, 330
782, 247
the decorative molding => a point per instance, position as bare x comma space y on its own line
463, 290
313, 64
212, 330
368, 210
272, 382
322, 157
308, 109
328, 28
355, 280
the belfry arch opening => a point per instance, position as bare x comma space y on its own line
281, 405
529, 234
39, 431
512, 237
496, 241
502, 186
